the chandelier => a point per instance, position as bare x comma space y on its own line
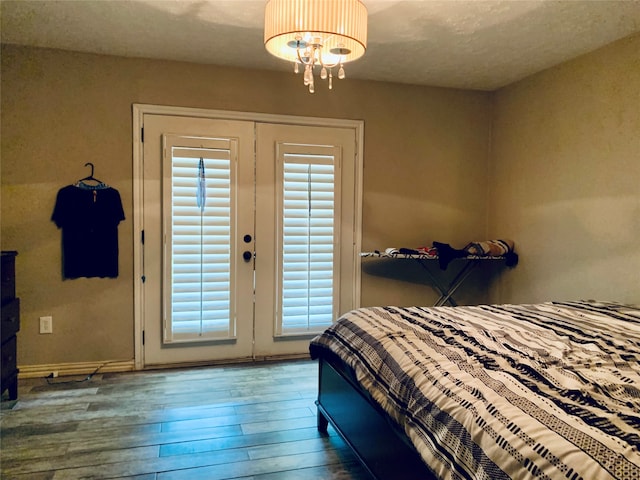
316, 34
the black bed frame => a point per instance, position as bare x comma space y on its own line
376, 439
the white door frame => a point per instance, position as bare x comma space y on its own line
139, 110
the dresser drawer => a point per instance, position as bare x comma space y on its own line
9, 358
10, 319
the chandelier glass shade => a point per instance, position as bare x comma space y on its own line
316, 34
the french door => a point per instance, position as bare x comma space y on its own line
248, 236
306, 254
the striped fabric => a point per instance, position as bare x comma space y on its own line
546, 391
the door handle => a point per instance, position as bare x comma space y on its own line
247, 255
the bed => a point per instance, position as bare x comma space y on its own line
549, 390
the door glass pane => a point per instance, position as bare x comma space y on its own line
198, 243
308, 255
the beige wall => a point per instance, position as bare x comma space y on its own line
424, 179
565, 179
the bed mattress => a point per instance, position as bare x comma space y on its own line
547, 391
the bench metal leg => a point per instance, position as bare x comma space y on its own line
446, 292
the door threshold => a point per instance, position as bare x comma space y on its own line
231, 361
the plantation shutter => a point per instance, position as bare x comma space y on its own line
309, 211
199, 204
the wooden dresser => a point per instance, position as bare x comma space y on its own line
10, 309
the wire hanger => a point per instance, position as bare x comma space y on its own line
82, 182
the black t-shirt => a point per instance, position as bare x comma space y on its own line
89, 218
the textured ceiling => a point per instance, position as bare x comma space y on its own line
473, 44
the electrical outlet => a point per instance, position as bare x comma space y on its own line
46, 324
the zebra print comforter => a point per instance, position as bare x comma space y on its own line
546, 391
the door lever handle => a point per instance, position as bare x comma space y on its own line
247, 255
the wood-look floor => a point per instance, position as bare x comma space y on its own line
252, 421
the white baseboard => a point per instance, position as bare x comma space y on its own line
86, 368
80, 368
